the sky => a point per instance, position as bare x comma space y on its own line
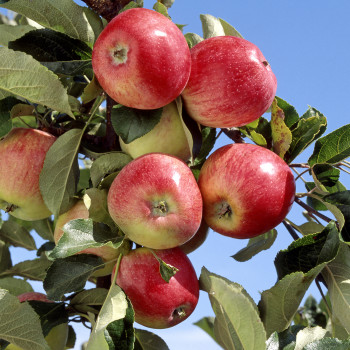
307, 46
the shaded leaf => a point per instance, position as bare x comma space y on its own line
91, 297
208, 142
207, 325
145, 340
5, 257
328, 344
15, 286
6, 105
283, 340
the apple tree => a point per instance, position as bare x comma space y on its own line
109, 117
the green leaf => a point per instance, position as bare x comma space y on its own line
193, 39
310, 126
237, 324
132, 5
308, 227
284, 340
166, 270
337, 275
70, 274
308, 252
32, 269
213, 26
107, 164
131, 123
59, 176
207, 325
161, 8
332, 148
326, 175
5, 257
308, 335
328, 344
13, 233
313, 314
281, 135
46, 45
19, 324
6, 105
88, 298
208, 142
69, 68
291, 116
30, 80
10, 32
63, 16
145, 340
15, 286
256, 245
115, 307
81, 234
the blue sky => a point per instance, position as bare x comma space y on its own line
307, 46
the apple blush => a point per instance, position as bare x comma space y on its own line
156, 202
158, 304
247, 190
141, 59
231, 83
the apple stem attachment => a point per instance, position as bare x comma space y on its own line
265, 63
179, 312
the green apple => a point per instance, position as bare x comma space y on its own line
168, 136
107, 253
22, 155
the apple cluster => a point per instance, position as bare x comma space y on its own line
142, 60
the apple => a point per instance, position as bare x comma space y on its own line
141, 59
231, 83
22, 155
156, 202
57, 337
247, 190
158, 304
168, 136
197, 240
107, 253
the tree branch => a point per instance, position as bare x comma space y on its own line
107, 9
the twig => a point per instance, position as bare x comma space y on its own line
299, 165
311, 210
291, 230
234, 134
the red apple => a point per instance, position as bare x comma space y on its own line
158, 304
231, 83
247, 190
22, 155
197, 240
141, 59
168, 136
57, 337
156, 202
107, 253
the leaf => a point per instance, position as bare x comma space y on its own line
44, 227
80, 234
107, 164
114, 308
15, 286
328, 344
10, 32
256, 245
291, 116
63, 16
6, 105
131, 123
337, 276
281, 135
59, 176
17, 235
213, 26
237, 323
166, 270
69, 68
308, 335
91, 297
207, 325
208, 142
332, 148
145, 340
31, 81
5, 257
46, 45
283, 340
19, 324
70, 274
159, 7
193, 39
310, 126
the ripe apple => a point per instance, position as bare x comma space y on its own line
168, 136
141, 59
57, 337
22, 155
197, 240
247, 190
158, 304
231, 83
107, 253
156, 202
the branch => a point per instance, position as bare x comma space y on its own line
234, 134
291, 230
312, 210
107, 9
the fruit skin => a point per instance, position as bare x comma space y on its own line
22, 155
141, 59
168, 136
156, 202
57, 337
197, 240
107, 253
158, 304
231, 84
252, 182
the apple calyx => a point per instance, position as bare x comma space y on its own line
179, 312
9, 207
224, 210
119, 54
160, 208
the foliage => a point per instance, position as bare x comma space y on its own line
51, 87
